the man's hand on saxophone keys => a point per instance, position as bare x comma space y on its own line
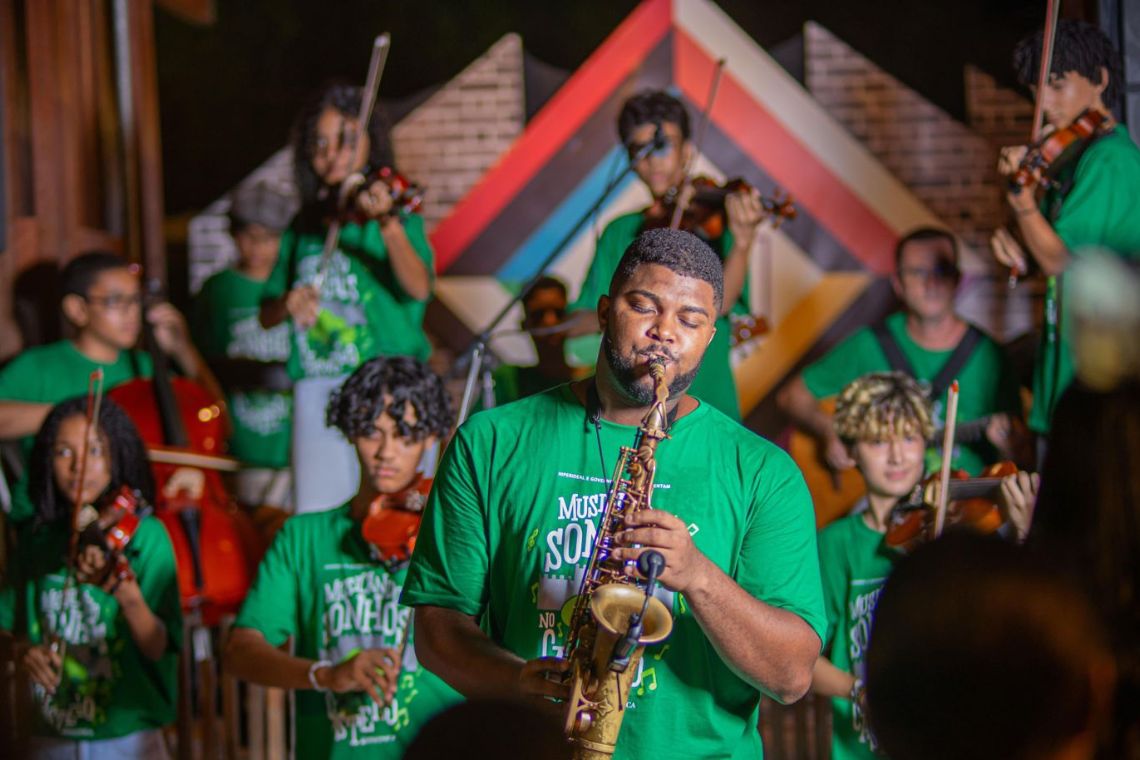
668, 534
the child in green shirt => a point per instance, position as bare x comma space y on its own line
334, 594
249, 359
102, 300
884, 420
103, 648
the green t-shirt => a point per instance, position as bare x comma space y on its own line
52, 373
318, 586
854, 563
1101, 209
511, 523
225, 324
513, 382
364, 311
987, 384
714, 383
110, 688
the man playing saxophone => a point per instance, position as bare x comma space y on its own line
511, 526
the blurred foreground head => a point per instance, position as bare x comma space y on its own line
979, 651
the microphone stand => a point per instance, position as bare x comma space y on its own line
477, 371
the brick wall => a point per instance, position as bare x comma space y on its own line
449, 142
948, 165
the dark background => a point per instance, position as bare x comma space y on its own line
229, 91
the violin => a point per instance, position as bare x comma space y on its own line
972, 504
1045, 158
111, 528
393, 522
407, 196
705, 215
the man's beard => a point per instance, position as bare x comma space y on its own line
628, 373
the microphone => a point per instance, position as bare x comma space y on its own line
658, 144
650, 563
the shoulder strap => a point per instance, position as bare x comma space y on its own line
891, 348
962, 353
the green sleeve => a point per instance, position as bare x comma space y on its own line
779, 561
505, 378
371, 245
450, 567
278, 283
1098, 210
7, 608
852, 358
611, 246
271, 604
157, 574
20, 379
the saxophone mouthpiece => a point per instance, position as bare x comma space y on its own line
657, 368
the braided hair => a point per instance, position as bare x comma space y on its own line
882, 405
387, 385
124, 446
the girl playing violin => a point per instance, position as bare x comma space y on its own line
331, 581
366, 299
103, 644
1090, 201
884, 420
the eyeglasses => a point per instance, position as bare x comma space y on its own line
116, 301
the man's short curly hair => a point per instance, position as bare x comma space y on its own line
386, 385
882, 405
652, 107
1079, 47
681, 252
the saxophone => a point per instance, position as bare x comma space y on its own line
604, 646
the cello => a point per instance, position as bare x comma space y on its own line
215, 545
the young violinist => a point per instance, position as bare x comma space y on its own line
103, 303
884, 420
102, 645
1091, 200
226, 328
928, 333
331, 581
656, 117
373, 290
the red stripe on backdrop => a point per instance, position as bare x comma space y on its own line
577, 100
799, 171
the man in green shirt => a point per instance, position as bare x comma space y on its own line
1091, 202
657, 116
544, 308
926, 331
102, 300
884, 420
511, 525
323, 617
249, 359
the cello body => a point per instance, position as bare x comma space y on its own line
216, 546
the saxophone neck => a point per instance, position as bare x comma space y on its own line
656, 420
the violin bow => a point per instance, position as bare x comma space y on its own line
94, 406
1048, 37
718, 70
947, 454
376, 64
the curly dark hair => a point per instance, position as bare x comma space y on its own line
652, 107
129, 465
681, 252
345, 98
1079, 47
354, 407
